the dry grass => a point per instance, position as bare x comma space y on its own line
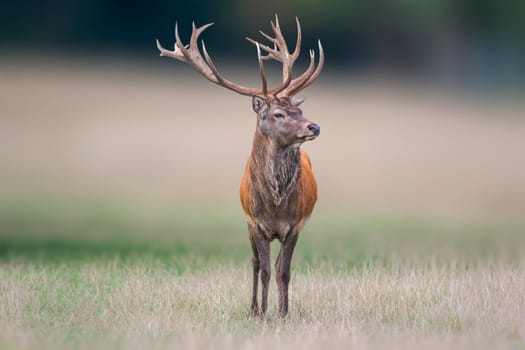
116, 304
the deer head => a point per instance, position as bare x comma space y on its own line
279, 117
282, 121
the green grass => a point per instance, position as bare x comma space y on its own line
54, 230
102, 274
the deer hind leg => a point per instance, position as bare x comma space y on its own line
254, 310
283, 272
263, 249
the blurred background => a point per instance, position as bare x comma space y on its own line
420, 103
465, 40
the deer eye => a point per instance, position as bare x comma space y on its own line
278, 115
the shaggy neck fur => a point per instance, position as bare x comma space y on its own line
278, 167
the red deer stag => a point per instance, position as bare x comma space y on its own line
278, 189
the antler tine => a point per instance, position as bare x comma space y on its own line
287, 60
210, 63
261, 71
273, 40
297, 50
318, 69
196, 32
308, 77
279, 35
271, 52
303, 78
166, 52
176, 53
179, 44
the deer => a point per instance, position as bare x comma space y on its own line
278, 190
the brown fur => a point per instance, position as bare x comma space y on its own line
306, 186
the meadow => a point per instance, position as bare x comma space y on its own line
120, 226
179, 280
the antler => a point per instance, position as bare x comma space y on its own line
205, 66
280, 53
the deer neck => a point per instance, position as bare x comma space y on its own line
274, 167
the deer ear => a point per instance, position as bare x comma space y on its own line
260, 106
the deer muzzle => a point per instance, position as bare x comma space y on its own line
315, 129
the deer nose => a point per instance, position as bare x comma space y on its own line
315, 129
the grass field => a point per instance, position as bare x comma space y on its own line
178, 281
120, 225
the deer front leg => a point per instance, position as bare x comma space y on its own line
283, 272
254, 310
263, 249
